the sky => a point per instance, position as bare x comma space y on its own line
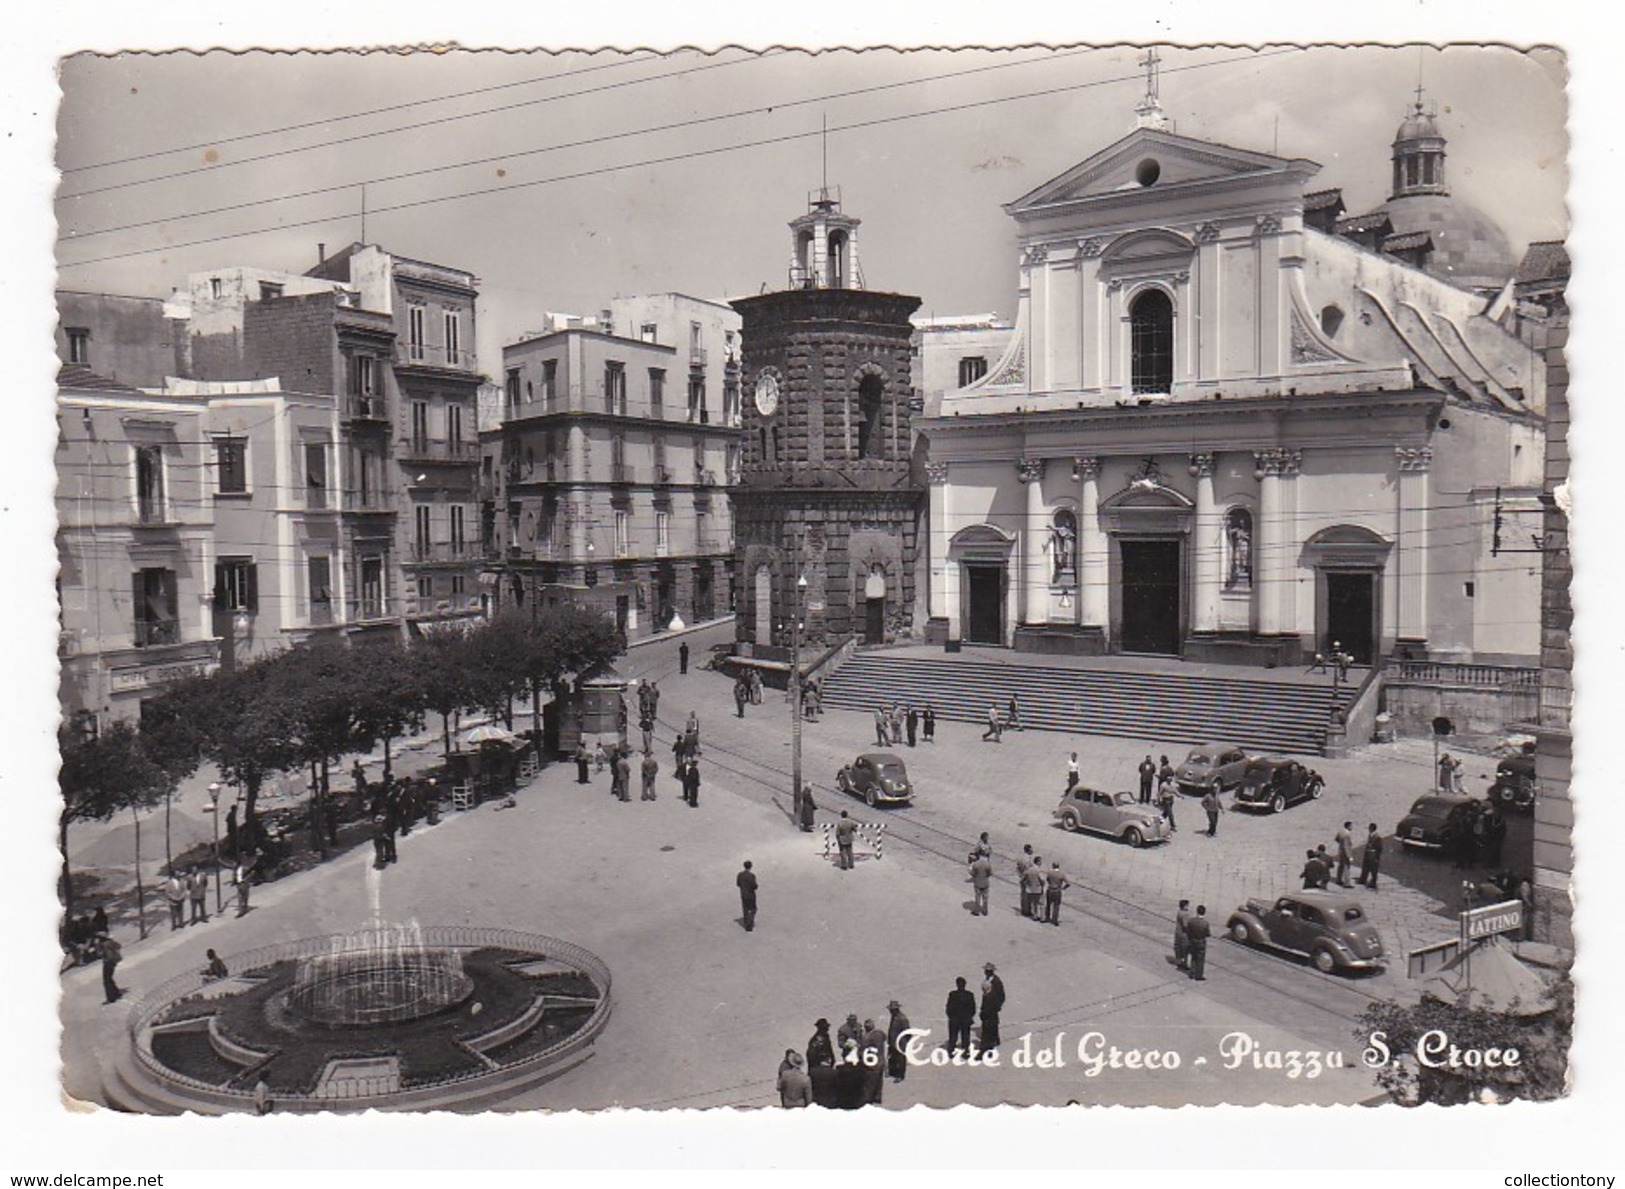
574, 178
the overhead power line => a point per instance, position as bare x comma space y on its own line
664, 160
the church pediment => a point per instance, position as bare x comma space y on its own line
1148, 159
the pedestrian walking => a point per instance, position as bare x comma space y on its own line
583, 758
1024, 863
741, 695
1033, 883
654, 700
623, 773
1012, 719
981, 879
1446, 765
1213, 808
994, 727
961, 1010
795, 1087
242, 878
1055, 882
756, 686
1148, 773
896, 724
1314, 872
175, 893
1165, 802
1345, 853
215, 967
600, 757
984, 848
651, 771
872, 1052
746, 880
1182, 937
845, 830
197, 890
682, 657
882, 727
912, 722
1371, 859
646, 725
1165, 771
896, 1059
391, 824
928, 720
111, 954
1074, 772
992, 1005
380, 841
691, 783
359, 775
1198, 930
809, 809
693, 732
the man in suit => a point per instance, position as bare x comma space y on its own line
896, 1060
845, 830
981, 879
1148, 773
872, 1052
913, 724
961, 1009
1199, 930
1024, 864
1314, 871
651, 770
682, 657
691, 783
795, 1087
1182, 940
1033, 883
1371, 860
746, 880
992, 1005
1345, 853
1054, 883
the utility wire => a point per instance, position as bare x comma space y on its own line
665, 160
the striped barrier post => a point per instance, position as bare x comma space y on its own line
829, 837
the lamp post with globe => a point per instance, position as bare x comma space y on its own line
795, 699
214, 803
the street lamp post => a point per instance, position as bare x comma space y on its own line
214, 800
795, 700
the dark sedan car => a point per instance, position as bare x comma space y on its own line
1274, 782
1328, 928
1436, 821
878, 777
1514, 786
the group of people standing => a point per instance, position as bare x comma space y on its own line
849, 1070
1040, 889
900, 723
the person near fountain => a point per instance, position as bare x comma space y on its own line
215, 968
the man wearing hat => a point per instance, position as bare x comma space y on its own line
992, 1005
961, 1010
896, 1062
873, 1054
795, 1088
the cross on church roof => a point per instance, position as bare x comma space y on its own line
1151, 61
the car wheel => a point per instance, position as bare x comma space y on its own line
1277, 803
1133, 837
869, 797
1316, 787
1325, 961
1240, 932
841, 782
1069, 820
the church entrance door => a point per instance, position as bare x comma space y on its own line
1351, 614
874, 621
984, 595
1151, 584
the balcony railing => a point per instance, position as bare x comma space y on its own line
367, 501
424, 355
321, 613
364, 609
455, 605
441, 551
705, 479
620, 472
663, 475
438, 450
318, 498
696, 358
153, 513
366, 408
151, 632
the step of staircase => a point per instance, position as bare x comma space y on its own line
1270, 715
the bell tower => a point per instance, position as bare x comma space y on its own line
828, 488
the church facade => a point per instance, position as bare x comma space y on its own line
828, 502
1224, 431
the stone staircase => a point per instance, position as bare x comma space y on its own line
1279, 714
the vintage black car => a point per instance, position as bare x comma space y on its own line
1275, 782
1328, 928
1437, 820
878, 777
1514, 786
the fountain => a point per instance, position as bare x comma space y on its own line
395, 1017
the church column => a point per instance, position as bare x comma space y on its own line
943, 570
1093, 579
1034, 580
1412, 550
1208, 548
1271, 533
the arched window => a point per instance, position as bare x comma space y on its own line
837, 260
1238, 549
871, 407
1151, 332
805, 261
1063, 548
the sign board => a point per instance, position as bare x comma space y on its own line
1479, 923
1430, 958
128, 680
814, 606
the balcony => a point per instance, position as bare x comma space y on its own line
366, 409
321, 614
460, 604
318, 499
154, 514
620, 472
424, 355
443, 552
705, 479
438, 450
364, 610
150, 633
696, 358
663, 475
368, 502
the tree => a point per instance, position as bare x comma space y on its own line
440, 665
560, 641
1542, 1042
389, 696
320, 684
98, 778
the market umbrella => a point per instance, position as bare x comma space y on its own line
489, 733
1492, 978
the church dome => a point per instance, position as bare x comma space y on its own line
1418, 125
1469, 250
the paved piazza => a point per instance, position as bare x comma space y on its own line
703, 1010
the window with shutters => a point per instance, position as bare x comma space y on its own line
422, 537
663, 534
151, 506
231, 466
79, 345
316, 475
615, 388
458, 541
321, 589
971, 369
236, 585
157, 608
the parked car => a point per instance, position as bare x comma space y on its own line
1328, 928
1216, 766
1119, 814
878, 777
1274, 782
1514, 786
1437, 820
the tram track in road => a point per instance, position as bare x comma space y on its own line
1332, 997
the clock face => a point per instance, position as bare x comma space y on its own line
767, 394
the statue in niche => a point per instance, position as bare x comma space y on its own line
1239, 534
1063, 547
